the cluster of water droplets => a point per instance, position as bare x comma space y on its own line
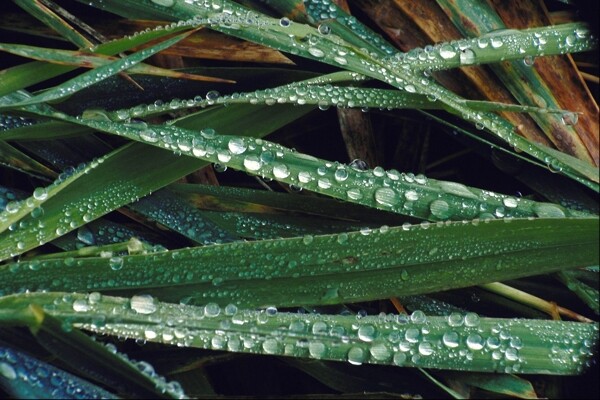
171, 388
23, 219
458, 341
391, 190
322, 10
175, 213
512, 43
40, 379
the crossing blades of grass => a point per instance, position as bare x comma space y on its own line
461, 342
309, 42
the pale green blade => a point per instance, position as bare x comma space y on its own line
461, 342
328, 269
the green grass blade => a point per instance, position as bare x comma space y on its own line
25, 75
51, 19
329, 269
386, 190
588, 294
91, 60
323, 96
98, 74
461, 342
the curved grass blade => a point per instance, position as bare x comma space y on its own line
25, 377
323, 96
460, 342
91, 60
386, 190
98, 74
54, 21
25, 75
275, 226
328, 269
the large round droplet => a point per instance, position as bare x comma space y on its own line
386, 196
367, 333
317, 349
467, 57
440, 209
237, 146
356, 356
447, 51
380, 352
252, 163
547, 210
451, 339
143, 304
281, 171
474, 342
425, 348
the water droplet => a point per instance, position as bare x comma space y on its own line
380, 352
212, 310
81, 305
425, 348
7, 371
317, 349
367, 333
252, 163
474, 342
164, 3
316, 52
467, 57
341, 174
455, 319
354, 194
324, 29
212, 95
451, 339
418, 317
399, 358
115, 263
270, 346
143, 304
447, 51
548, 210
471, 319
386, 196
356, 355
440, 209
412, 335
510, 202
285, 22
40, 193
281, 171
237, 146
569, 118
